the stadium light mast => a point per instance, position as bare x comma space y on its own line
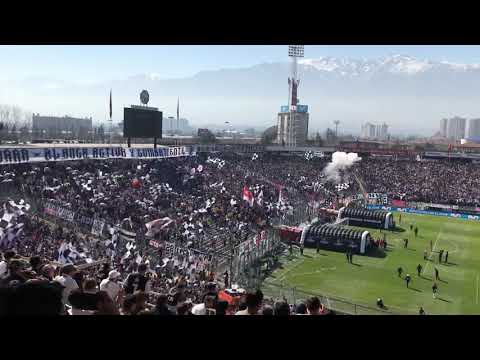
295, 52
336, 122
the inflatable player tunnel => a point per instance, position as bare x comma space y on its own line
367, 218
334, 237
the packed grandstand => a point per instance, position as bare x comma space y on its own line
176, 235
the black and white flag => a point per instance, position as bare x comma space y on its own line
169, 249
342, 187
219, 162
126, 235
68, 254
97, 227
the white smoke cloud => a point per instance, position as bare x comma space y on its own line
340, 161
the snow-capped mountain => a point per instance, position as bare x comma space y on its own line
395, 64
406, 92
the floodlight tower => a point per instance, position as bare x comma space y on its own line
336, 122
295, 52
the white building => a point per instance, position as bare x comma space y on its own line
382, 132
456, 128
443, 127
474, 128
374, 131
292, 128
170, 125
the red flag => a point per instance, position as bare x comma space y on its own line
258, 238
247, 195
110, 104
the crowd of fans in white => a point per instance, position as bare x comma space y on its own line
199, 207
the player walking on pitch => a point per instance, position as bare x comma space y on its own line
435, 290
407, 279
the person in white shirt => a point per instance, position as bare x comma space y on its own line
253, 302
66, 280
207, 307
8, 255
3, 268
112, 287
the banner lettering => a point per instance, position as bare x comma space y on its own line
31, 155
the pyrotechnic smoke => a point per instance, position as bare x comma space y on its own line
340, 161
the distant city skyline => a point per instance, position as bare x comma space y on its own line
245, 84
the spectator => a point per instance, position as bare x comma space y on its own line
133, 304
15, 273
301, 309
67, 281
112, 287
105, 304
161, 307
8, 256
138, 281
203, 309
35, 263
314, 306
78, 276
222, 307
253, 302
36, 298
47, 272
267, 310
184, 308
282, 308
83, 302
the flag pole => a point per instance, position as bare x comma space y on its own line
111, 118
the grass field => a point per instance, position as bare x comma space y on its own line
329, 274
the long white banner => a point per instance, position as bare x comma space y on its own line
28, 155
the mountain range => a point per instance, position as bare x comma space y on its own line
409, 94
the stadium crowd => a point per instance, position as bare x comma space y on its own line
439, 182
205, 205
201, 199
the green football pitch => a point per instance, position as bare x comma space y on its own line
341, 284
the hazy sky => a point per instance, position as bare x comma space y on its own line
76, 80
89, 64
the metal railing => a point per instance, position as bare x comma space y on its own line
294, 296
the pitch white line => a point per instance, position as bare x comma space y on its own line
316, 272
282, 277
328, 303
476, 301
431, 253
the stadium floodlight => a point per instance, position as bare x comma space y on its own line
295, 50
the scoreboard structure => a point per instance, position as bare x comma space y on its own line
142, 122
